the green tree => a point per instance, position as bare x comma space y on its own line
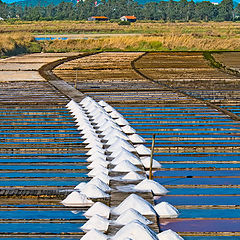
225, 10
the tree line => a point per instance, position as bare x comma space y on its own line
171, 10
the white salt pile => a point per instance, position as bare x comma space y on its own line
77, 199
94, 234
146, 162
113, 139
128, 130
99, 163
166, 210
95, 149
135, 230
115, 114
96, 222
121, 121
135, 161
92, 191
142, 150
126, 166
99, 209
112, 131
96, 158
133, 176
169, 235
100, 184
109, 108
136, 202
103, 177
124, 155
150, 185
130, 215
135, 138
102, 103
123, 143
80, 186
95, 171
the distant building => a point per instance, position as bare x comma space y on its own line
128, 18
98, 18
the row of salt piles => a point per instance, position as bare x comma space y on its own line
107, 132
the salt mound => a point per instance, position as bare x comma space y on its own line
80, 186
99, 209
130, 215
103, 177
121, 121
123, 143
113, 139
76, 199
114, 132
109, 108
92, 191
133, 176
126, 166
95, 171
97, 164
146, 163
95, 143
136, 202
94, 158
135, 230
124, 155
169, 235
96, 222
133, 161
94, 234
128, 129
99, 183
166, 210
102, 103
135, 138
115, 114
142, 150
150, 185
95, 149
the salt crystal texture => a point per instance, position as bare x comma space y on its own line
126, 166
135, 138
76, 199
135, 230
80, 186
146, 163
136, 202
96, 222
166, 210
169, 235
96, 171
142, 150
133, 176
99, 183
94, 234
128, 129
92, 191
99, 209
150, 185
130, 215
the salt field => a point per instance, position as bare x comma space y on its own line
44, 154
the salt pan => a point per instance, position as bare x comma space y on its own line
169, 235
135, 230
166, 210
99, 209
94, 234
126, 166
96, 222
150, 185
136, 202
92, 191
76, 199
130, 215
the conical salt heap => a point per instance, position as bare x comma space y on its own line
96, 222
92, 191
142, 150
133, 176
137, 231
150, 185
136, 139
102, 103
136, 202
123, 143
103, 177
126, 166
99, 209
130, 215
99, 163
146, 162
80, 186
124, 155
128, 129
95, 171
96, 158
94, 234
121, 121
166, 210
100, 184
169, 235
76, 199
134, 161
